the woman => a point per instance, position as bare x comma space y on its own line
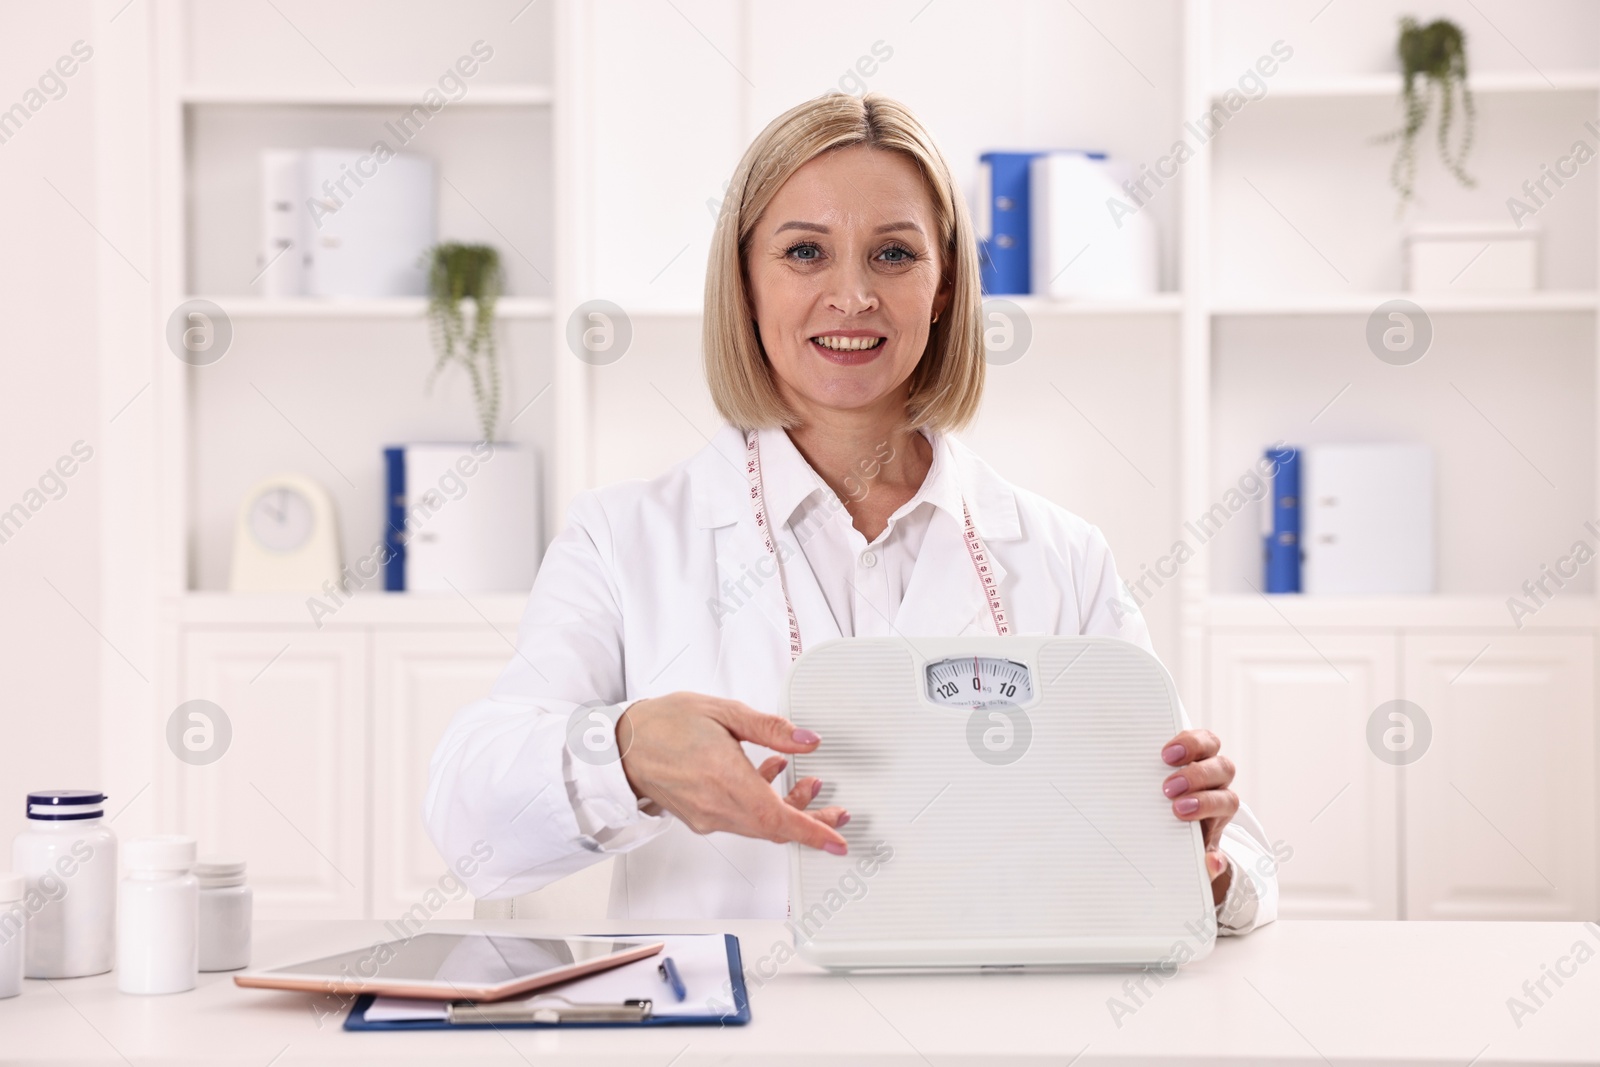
843, 332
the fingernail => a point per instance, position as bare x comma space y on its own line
806, 737
816, 787
844, 818
1187, 806
1173, 753
1175, 785
1214, 863
834, 848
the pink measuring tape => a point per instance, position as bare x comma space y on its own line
976, 550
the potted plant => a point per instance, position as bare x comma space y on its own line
1437, 54
458, 272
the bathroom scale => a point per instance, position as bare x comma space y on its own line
1005, 807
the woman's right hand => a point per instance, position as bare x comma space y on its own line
681, 752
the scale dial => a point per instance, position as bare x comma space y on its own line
978, 682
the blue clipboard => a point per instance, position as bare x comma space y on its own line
357, 1019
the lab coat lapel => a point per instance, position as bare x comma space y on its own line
817, 622
944, 597
752, 594
745, 566
753, 601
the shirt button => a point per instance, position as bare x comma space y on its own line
869, 559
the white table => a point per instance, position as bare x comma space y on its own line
1294, 992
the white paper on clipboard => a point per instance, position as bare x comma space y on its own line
701, 959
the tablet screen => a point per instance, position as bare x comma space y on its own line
461, 959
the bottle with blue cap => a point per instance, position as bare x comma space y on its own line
67, 856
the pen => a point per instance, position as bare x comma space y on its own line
669, 974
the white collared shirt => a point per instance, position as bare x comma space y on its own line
863, 581
663, 586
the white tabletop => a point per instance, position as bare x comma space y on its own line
1293, 992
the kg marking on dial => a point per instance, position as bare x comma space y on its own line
978, 682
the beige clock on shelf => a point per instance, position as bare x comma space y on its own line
286, 539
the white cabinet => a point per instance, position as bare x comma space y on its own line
1500, 811
1291, 712
288, 793
1495, 819
321, 785
419, 680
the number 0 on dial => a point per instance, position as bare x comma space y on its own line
978, 681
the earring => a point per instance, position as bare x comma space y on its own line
935, 319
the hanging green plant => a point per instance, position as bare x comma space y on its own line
458, 272
1437, 53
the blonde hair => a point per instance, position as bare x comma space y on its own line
947, 384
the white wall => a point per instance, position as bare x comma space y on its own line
678, 91
51, 658
1504, 510
739, 65
1340, 39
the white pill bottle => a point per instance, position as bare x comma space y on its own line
68, 857
158, 916
224, 913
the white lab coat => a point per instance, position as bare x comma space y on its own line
631, 601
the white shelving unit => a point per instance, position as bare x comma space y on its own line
1481, 614
501, 611
378, 308
1159, 304
1290, 244
1279, 238
1387, 86
1439, 304
377, 96
332, 719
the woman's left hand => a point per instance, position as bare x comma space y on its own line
1199, 790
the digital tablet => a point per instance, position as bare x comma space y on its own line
472, 966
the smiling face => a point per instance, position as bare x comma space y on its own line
845, 274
